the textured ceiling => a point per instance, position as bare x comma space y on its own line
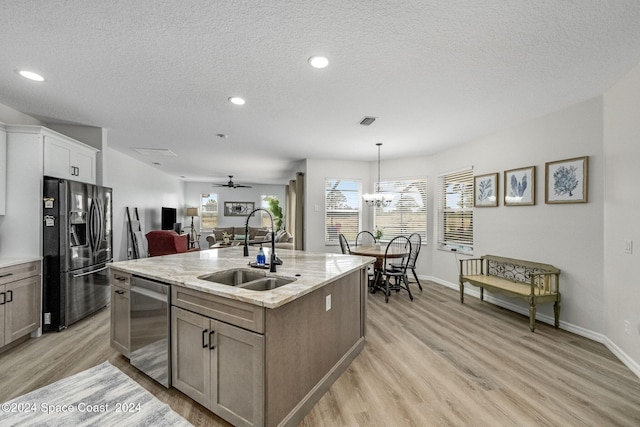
157, 74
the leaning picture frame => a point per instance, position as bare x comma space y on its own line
566, 181
520, 186
485, 190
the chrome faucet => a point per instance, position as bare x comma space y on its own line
274, 259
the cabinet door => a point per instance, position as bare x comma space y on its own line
120, 320
57, 159
85, 166
22, 308
3, 298
3, 171
69, 160
237, 370
190, 355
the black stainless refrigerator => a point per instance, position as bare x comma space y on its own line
77, 243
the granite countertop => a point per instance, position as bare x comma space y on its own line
11, 261
311, 271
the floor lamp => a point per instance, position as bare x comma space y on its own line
192, 212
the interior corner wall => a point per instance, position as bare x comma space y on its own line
568, 236
622, 204
136, 184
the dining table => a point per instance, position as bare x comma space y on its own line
378, 252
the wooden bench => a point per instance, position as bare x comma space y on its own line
532, 281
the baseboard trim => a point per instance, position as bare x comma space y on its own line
570, 327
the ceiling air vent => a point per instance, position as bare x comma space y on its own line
155, 152
367, 120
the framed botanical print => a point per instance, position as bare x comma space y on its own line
520, 187
566, 180
485, 190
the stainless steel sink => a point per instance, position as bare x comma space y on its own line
246, 278
267, 283
234, 277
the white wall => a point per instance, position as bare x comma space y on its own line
569, 236
622, 204
193, 190
136, 184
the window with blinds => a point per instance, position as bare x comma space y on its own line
208, 211
342, 209
265, 219
407, 212
455, 211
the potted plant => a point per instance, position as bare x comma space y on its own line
377, 234
276, 212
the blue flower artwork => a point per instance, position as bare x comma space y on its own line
520, 186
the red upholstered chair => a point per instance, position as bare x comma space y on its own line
167, 242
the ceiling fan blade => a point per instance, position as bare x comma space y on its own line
243, 186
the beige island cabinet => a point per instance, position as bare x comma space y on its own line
258, 357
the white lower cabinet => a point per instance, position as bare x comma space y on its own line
219, 366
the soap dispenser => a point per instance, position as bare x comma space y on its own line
261, 259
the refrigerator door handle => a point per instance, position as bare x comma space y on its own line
90, 272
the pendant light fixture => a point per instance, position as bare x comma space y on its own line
377, 199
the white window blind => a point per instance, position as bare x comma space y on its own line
208, 211
407, 212
342, 208
455, 211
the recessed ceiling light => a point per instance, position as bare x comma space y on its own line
31, 75
236, 100
318, 61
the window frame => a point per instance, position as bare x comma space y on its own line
328, 240
202, 215
394, 187
459, 241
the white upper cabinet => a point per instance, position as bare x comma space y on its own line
69, 159
3, 170
61, 156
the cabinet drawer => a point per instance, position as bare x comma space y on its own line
120, 279
247, 316
19, 272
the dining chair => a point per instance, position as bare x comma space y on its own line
365, 238
416, 244
344, 245
398, 274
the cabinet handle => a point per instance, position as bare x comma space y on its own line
10, 296
120, 278
5, 275
211, 347
119, 292
4, 298
204, 337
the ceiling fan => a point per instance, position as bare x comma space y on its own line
231, 184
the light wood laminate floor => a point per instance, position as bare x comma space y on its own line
429, 362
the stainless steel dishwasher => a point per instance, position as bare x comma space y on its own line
150, 328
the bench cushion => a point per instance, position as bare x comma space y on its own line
499, 282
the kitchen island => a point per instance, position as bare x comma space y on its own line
257, 357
